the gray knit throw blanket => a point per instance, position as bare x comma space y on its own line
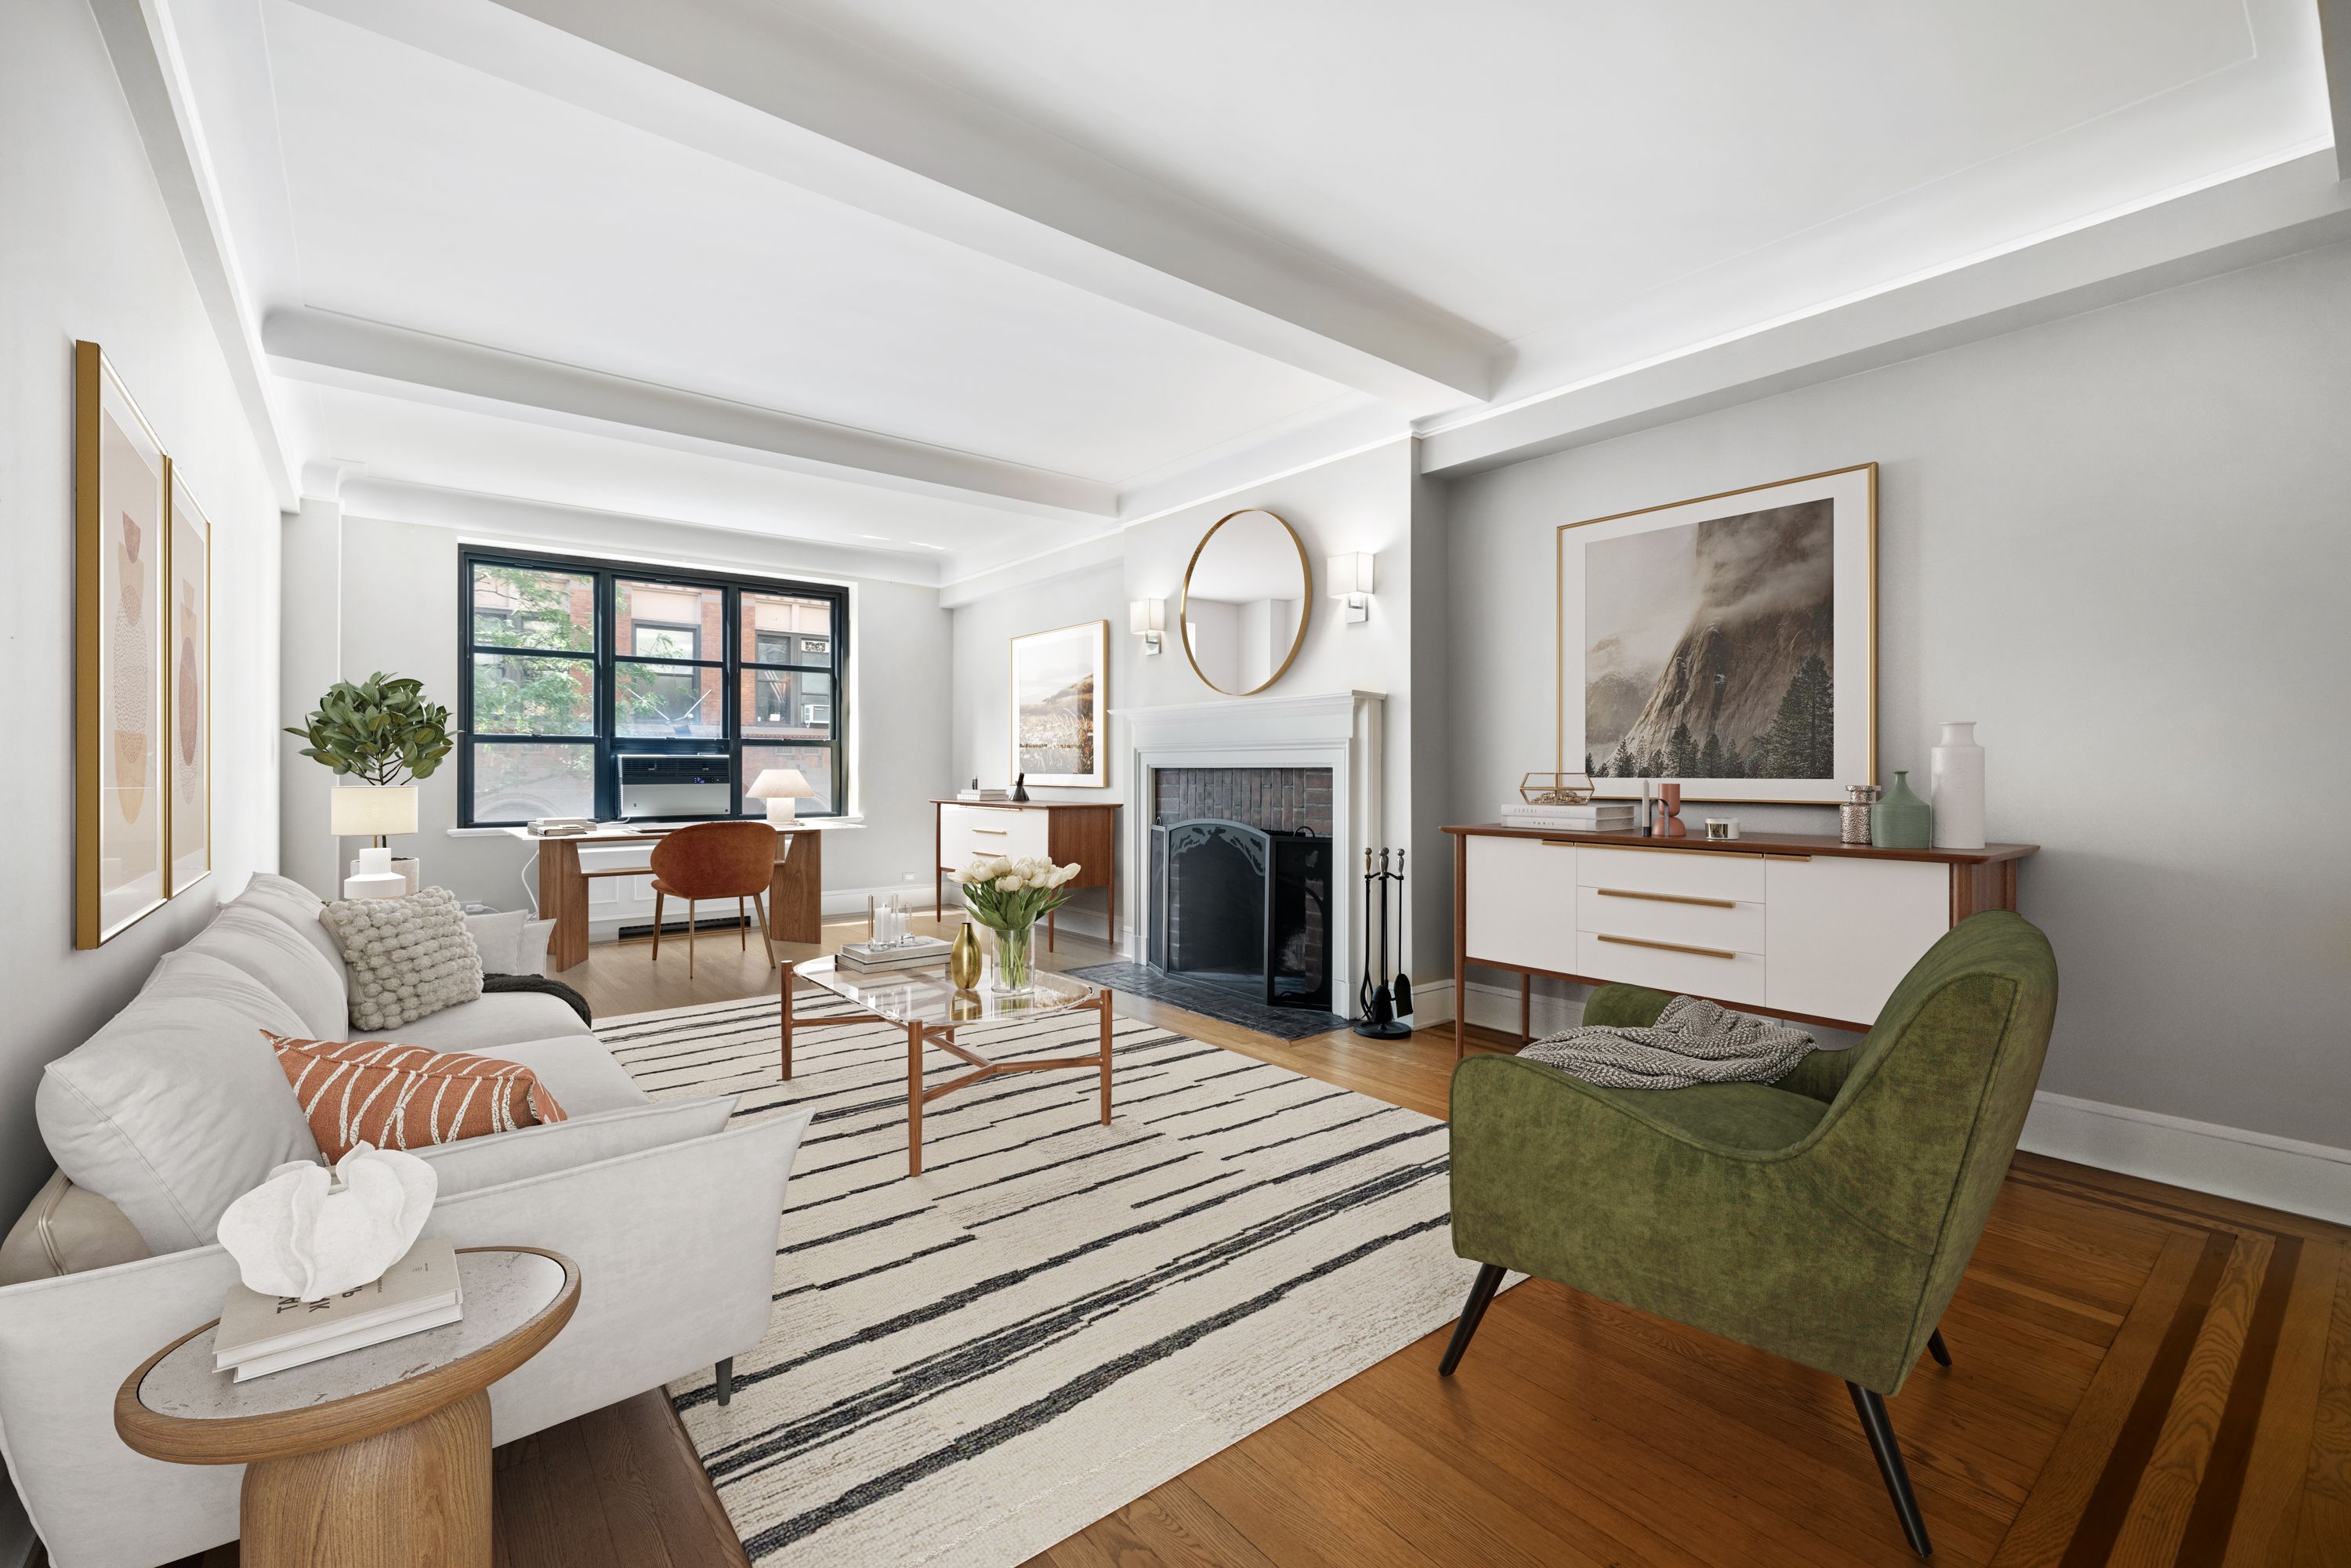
1691, 1042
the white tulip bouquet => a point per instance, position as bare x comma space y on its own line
1009, 897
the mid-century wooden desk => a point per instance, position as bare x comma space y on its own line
795, 894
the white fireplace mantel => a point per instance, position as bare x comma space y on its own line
1337, 730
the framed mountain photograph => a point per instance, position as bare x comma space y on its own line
1060, 680
1729, 643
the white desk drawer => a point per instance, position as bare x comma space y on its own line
965, 831
1680, 917
1697, 873
1722, 973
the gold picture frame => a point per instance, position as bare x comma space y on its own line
187, 625
1059, 698
121, 507
1648, 634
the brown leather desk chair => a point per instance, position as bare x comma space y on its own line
715, 860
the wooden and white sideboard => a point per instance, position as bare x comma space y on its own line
1085, 832
1806, 928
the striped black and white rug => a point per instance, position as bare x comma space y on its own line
968, 1365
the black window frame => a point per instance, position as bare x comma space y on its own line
603, 740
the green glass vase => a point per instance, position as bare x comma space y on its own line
1900, 821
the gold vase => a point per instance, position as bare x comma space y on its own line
963, 961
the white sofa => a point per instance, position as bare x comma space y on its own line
177, 1106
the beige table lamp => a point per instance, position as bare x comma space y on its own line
374, 812
780, 787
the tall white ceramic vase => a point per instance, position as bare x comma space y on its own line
1958, 771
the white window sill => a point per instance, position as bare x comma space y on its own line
822, 824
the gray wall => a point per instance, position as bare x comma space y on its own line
2119, 543
399, 613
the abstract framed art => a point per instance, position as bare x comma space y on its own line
1728, 643
1061, 684
121, 487
188, 689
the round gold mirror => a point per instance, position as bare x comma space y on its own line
1247, 597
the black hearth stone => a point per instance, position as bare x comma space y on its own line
1213, 1000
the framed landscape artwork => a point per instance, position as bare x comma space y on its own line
1061, 684
121, 479
188, 677
1729, 643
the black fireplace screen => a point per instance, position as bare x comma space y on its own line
1243, 908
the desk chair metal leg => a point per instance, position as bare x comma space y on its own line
1871, 1407
742, 926
1935, 1348
1481, 1291
692, 920
659, 899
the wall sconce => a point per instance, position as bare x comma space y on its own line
1147, 618
1349, 577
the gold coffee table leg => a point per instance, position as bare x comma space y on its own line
418, 1495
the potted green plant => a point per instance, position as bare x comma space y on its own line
385, 733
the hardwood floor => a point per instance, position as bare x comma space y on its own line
2143, 1375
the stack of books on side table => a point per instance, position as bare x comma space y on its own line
865, 957
259, 1334
1592, 817
984, 795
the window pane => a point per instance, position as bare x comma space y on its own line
813, 762
516, 783
525, 607
516, 694
678, 700
780, 629
787, 704
663, 620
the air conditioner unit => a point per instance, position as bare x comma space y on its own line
815, 713
675, 784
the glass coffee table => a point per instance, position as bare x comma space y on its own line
928, 1007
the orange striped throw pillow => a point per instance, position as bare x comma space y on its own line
405, 1096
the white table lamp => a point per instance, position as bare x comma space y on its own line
780, 787
372, 812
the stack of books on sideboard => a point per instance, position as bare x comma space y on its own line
914, 952
1591, 817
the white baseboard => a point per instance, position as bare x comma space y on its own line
2204, 1156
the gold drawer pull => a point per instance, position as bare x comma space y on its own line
1666, 897
999, 832
1558, 843
1667, 946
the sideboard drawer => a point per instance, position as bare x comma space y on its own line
1697, 873
1722, 973
965, 831
1671, 918
1522, 903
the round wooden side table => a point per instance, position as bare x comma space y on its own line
369, 1459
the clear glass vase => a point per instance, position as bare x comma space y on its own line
1013, 975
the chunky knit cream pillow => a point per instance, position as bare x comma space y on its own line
407, 957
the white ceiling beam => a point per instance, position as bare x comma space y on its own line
2291, 206
2334, 33
772, 92
344, 351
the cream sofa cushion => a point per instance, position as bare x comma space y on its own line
297, 907
177, 1107
576, 1069
264, 947
487, 1022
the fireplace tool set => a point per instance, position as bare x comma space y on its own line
1384, 998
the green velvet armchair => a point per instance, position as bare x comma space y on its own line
1827, 1218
